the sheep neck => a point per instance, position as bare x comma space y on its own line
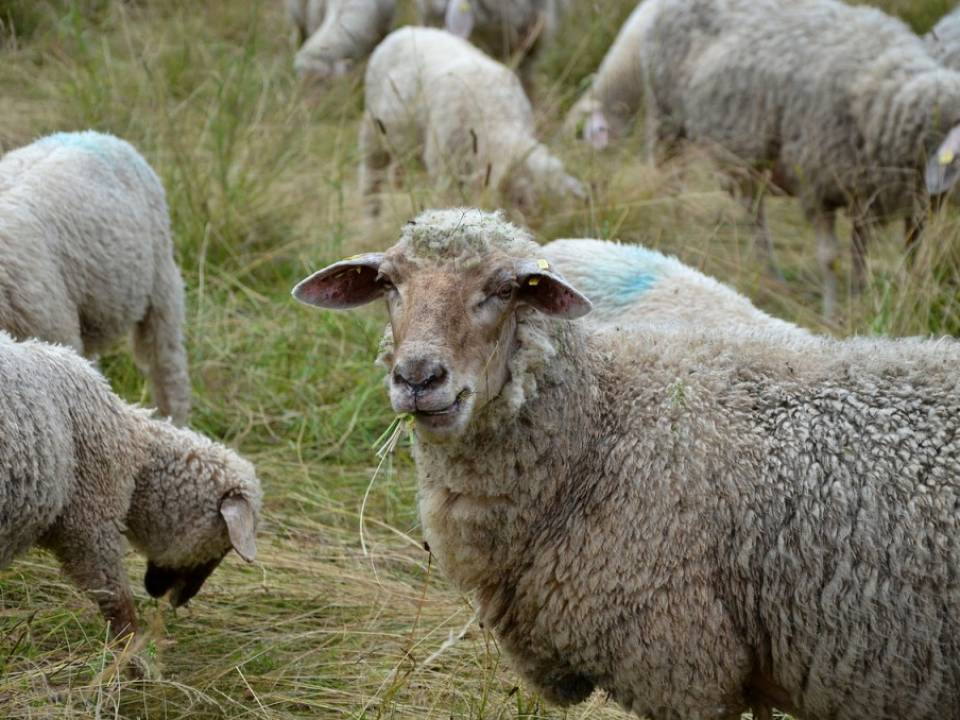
473, 492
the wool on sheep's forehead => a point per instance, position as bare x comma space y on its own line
464, 237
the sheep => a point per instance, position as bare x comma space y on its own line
86, 256
631, 283
616, 90
435, 95
943, 42
840, 106
697, 521
80, 468
503, 28
334, 34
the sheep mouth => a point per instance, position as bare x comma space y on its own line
181, 583
448, 411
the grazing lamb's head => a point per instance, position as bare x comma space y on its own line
458, 285
459, 18
539, 171
943, 167
194, 501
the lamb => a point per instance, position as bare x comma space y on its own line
80, 468
435, 96
698, 522
334, 34
630, 283
86, 256
840, 106
943, 42
503, 28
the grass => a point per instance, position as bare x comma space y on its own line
261, 178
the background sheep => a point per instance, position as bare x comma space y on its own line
698, 523
80, 469
503, 28
616, 89
336, 33
86, 256
432, 95
943, 41
631, 283
840, 106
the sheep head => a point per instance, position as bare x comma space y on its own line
454, 286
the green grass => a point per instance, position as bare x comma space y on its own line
261, 181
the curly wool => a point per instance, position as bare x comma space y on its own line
79, 468
86, 256
429, 94
700, 523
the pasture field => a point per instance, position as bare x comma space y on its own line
342, 615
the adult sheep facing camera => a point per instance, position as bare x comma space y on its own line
697, 522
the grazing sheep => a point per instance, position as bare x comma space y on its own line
503, 28
840, 106
698, 522
616, 90
336, 33
86, 256
943, 41
435, 95
79, 468
631, 283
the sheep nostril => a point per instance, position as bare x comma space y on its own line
419, 376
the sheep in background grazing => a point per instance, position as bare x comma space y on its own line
86, 256
435, 96
502, 28
79, 468
943, 41
840, 106
698, 522
631, 283
616, 90
334, 34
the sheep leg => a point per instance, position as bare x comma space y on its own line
158, 347
374, 163
912, 230
763, 239
828, 255
860, 239
92, 558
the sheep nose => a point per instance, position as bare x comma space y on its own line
419, 374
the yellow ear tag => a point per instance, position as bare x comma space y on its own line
359, 270
464, 7
534, 281
543, 264
946, 157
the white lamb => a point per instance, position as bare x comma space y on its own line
86, 256
435, 96
80, 469
337, 33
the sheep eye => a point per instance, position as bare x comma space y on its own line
385, 282
505, 292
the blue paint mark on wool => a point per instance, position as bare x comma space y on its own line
108, 148
622, 273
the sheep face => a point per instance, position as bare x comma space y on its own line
454, 305
193, 503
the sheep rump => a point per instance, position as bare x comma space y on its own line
86, 256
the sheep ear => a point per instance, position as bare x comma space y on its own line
238, 514
943, 169
549, 293
459, 18
596, 130
345, 284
